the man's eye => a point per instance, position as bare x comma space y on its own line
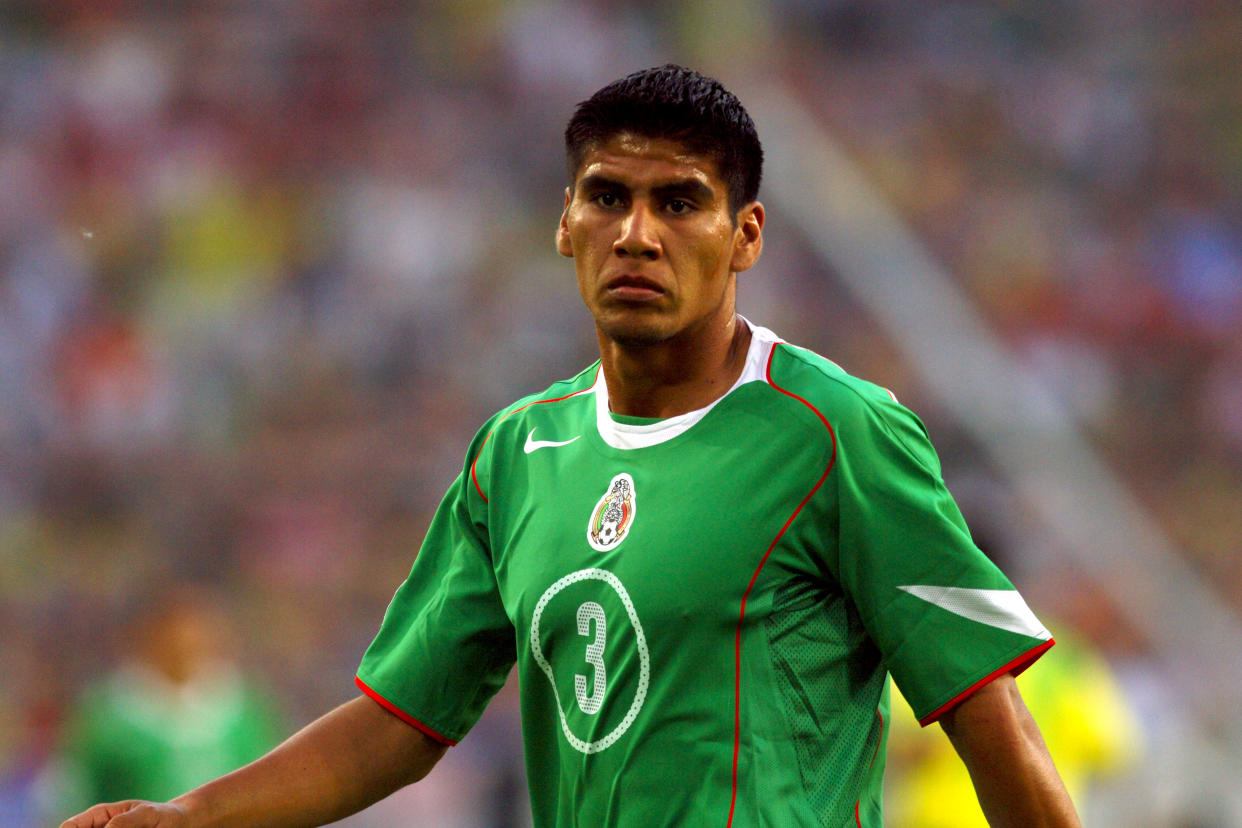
607, 200
678, 207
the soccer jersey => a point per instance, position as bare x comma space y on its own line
703, 609
136, 735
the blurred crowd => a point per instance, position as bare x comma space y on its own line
265, 268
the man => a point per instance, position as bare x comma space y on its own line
177, 712
705, 553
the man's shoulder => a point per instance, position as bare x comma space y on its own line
559, 391
511, 418
822, 383
859, 412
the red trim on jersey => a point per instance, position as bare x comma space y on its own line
473, 477
1015, 667
879, 741
402, 715
737, 644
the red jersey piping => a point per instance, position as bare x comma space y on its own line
1015, 667
402, 715
737, 643
473, 477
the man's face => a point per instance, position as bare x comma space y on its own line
654, 243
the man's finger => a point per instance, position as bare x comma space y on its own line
99, 815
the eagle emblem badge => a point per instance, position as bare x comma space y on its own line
613, 514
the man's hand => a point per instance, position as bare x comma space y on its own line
132, 813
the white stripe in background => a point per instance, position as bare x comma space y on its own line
1000, 608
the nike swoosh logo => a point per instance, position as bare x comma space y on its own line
534, 445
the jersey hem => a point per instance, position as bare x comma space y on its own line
1014, 667
402, 715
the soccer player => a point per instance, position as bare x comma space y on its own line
177, 712
705, 553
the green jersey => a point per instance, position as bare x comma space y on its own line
703, 609
137, 735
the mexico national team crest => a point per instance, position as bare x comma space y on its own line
613, 515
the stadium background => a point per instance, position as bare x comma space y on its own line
264, 268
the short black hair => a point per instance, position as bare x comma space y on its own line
678, 104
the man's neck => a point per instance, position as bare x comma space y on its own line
669, 378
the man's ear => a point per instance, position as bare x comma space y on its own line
748, 238
562, 231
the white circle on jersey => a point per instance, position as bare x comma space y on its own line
644, 658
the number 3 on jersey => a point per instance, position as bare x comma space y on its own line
590, 702
590, 633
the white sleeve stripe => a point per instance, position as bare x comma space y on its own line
1000, 608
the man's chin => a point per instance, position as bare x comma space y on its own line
634, 333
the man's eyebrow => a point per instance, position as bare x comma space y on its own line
596, 181
689, 188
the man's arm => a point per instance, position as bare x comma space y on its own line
1014, 777
339, 764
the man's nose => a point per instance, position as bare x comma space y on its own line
638, 235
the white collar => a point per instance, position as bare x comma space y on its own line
632, 436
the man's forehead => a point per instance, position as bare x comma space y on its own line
656, 160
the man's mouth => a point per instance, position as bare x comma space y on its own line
631, 288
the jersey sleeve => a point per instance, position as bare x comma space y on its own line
945, 618
445, 645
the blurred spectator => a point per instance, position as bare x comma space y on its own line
177, 713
